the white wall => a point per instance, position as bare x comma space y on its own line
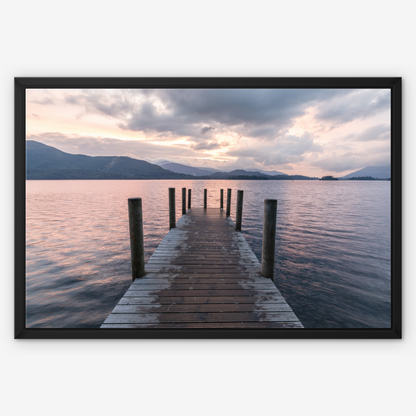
189, 38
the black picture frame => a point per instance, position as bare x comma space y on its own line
394, 84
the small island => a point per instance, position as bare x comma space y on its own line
367, 178
362, 178
328, 178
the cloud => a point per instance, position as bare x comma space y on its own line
105, 146
73, 99
352, 157
378, 132
356, 105
244, 162
284, 150
249, 125
206, 129
243, 106
259, 113
339, 164
206, 146
116, 104
44, 101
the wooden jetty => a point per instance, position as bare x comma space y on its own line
203, 275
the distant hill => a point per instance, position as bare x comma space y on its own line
235, 173
380, 172
362, 178
202, 171
47, 162
244, 174
159, 162
189, 170
267, 172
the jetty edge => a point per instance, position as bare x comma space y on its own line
203, 274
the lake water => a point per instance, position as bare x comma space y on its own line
332, 245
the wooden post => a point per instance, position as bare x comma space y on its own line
189, 199
239, 212
222, 199
228, 202
269, 237
172, 213
136, 237
205, 198
183, 201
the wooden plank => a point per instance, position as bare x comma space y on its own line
240, 276
196, 238
201, 243
207, 248
196, 308
189, 300
201, 286
187, 270
201, 259
201, 254
209, 293
208, 253
209, 235
203, 250
192, 280
191, 255
229, 267
175, 285
143, 318
205, 237
206, 325
183, 261
201, 263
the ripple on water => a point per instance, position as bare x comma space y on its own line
332, 246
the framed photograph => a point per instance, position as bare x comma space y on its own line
208, 208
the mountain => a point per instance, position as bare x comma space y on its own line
202, 171
238, 172
244, 174
189, 170
47, 162
158, 162
380, 172
267, 172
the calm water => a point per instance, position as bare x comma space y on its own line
332, 245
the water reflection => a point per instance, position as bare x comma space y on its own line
332, 245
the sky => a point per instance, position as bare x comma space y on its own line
313, 132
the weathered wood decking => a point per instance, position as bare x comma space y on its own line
203, 275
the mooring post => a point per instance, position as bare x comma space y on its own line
205, 198
269, 237
189, 199
239, 212
222, 199
227, 213
136, 237
183, 201
172, 214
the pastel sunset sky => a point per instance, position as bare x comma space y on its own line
312, 132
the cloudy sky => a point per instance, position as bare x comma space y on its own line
297, 131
